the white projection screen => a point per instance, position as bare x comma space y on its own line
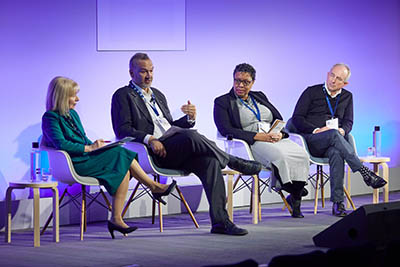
141, 25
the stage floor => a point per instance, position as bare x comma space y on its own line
181, 244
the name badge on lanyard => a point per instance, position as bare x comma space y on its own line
333, 123
256, 112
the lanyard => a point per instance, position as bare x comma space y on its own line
153, 98
258, 114
333, 111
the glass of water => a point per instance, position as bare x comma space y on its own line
371, 152
46, 174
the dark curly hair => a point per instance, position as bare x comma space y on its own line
244, 67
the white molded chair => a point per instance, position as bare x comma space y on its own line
320, 178
64, 172
240, 148
148, 165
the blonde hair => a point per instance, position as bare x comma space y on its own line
60, 89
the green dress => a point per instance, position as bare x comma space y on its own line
67, 133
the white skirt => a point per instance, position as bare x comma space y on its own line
291, 160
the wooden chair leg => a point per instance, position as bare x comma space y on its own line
255, 199
187, 207
316, 193
130, 199
229, 201
285, 202
321, 175
83, 212
349, 198
160, 218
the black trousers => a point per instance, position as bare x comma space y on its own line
192, 152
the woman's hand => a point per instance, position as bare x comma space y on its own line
97, 144
268, 137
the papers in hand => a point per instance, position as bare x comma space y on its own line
277, 126
116, 143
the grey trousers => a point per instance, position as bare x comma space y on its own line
331, 144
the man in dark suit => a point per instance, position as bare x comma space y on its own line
324, 116
141, 111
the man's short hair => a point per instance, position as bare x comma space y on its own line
136, 57
347, 68
244, 67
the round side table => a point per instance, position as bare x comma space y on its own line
36, 209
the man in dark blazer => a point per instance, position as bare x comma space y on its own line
324, 116
141, 111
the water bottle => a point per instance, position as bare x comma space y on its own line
35, 162
377, 141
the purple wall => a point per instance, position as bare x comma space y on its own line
292, 44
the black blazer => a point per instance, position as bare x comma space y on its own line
227, 119
130, 116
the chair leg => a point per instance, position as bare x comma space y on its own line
229, 201
259, 198
83, 212
187, 207
321, 175
160, 218
51, 215
316, 193
349, 198
285, 202
130, 199
255, 199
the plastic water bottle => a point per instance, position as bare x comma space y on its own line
35, 162
377, 141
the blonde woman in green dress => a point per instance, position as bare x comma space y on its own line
62, 129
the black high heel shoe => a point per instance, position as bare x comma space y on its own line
157, 196
113, 227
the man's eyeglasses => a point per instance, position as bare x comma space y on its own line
245, 82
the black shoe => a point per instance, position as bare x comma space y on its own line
373, 180
157, 196
338, 209
228, 228
125, 231
246, 167
295, 205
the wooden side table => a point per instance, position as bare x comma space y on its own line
36, 209
376, 162
256, 205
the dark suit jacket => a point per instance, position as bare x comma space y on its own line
130, 116
312, 111
227, 119
60, 134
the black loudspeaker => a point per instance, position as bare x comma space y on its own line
374, 224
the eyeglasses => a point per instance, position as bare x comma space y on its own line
334, 77
245, 82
